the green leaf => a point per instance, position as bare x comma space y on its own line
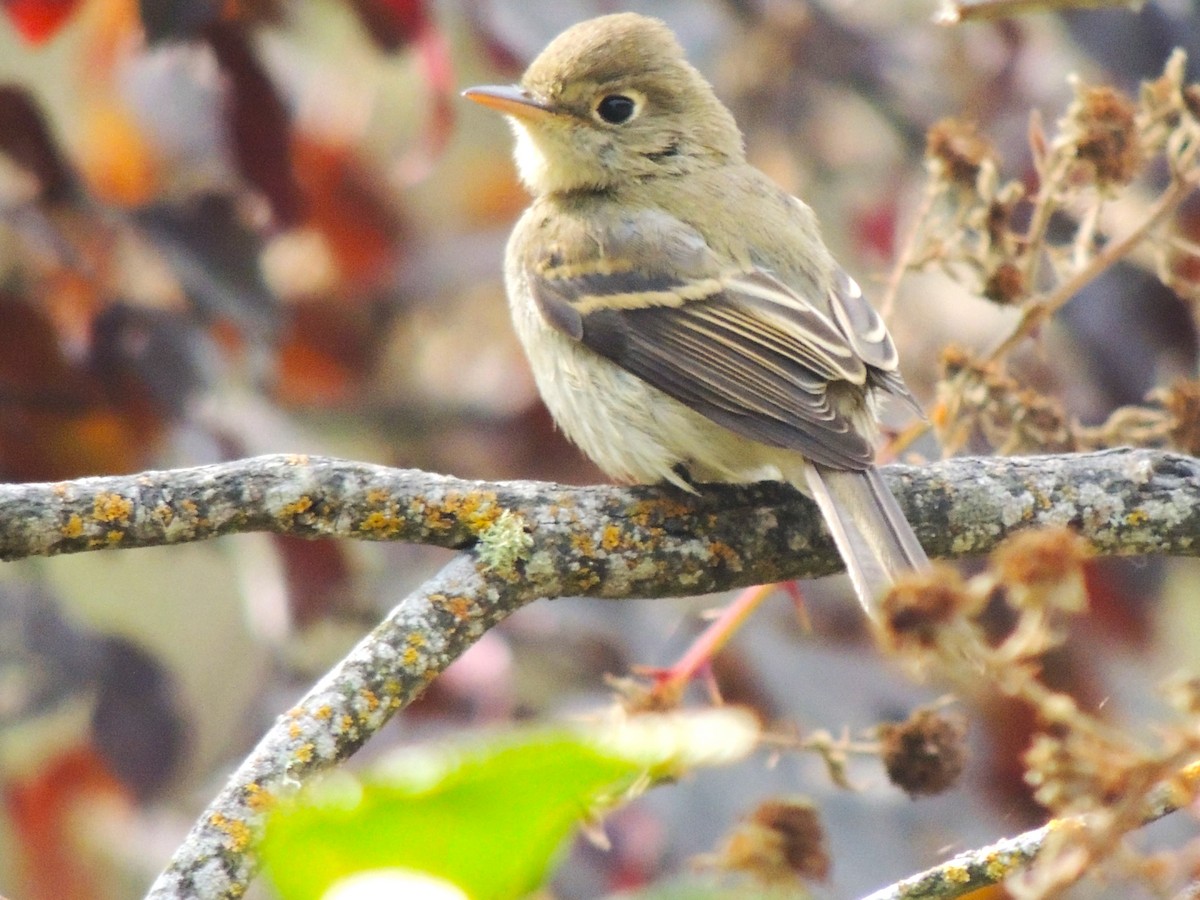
490, 818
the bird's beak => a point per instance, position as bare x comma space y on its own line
509, 99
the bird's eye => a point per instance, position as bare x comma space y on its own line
616, 109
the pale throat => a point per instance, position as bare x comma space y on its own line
540, 173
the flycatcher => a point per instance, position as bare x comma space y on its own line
680, 311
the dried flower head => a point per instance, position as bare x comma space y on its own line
924, 755
1005, 284
1072, 773
1101, 124
1182, 691
781, 841
956, 152
1182, 401
1165, 101
1043, 568
1011, 418
921, 605
1191, 100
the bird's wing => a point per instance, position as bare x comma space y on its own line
740, 347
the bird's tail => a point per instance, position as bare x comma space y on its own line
875, 540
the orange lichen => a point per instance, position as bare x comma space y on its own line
726, 554
370, 699
583, 544
304, 753
382, 524
412, 654
611, 538
477, 510
458, 606
258, 798
237, 832
645, 512
296, 507
323, 712
112, 508
73, 528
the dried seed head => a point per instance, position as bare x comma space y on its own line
1043, 567
921, 604
1182, 401
781, 841
1191, 100
1005, 284
1102, 126
957, 152
1182, 691
926, 754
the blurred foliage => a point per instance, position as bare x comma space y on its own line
488, 819
229, 228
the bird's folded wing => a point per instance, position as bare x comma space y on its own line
738, 347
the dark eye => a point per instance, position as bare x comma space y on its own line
616, 108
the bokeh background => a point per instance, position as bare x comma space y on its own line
232, 228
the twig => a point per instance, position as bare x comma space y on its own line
990, 865
904, 260
955, 11
1041, 309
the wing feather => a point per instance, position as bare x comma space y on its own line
739, 347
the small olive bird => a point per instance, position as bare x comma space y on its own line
680, 311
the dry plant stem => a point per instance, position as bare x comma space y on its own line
715, 636
979, 868
906, 258
956, 11
1040, 309
1043, 208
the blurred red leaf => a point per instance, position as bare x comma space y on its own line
38, 20
392, 24
358, 220
318, 578
44, 807
327, 349
258, 121
57, 419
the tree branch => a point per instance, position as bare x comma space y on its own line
383, 674
611, 541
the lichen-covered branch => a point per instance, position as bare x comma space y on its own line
387, 669
984, 866
611, 541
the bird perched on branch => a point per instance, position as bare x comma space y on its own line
684, 320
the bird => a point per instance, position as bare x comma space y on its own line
682, 317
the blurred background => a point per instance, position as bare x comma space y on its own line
233, 228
